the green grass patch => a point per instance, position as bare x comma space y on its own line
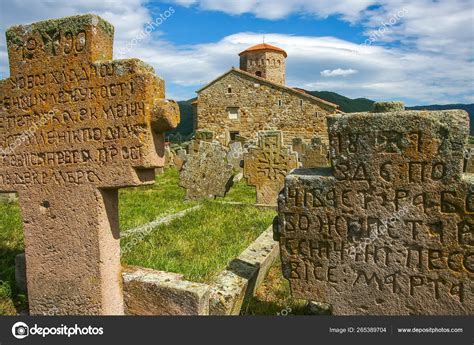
241, 192
140, 205
11, 244
200, 244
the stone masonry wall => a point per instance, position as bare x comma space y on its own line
259, 109
270, 64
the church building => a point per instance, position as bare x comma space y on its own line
254, 97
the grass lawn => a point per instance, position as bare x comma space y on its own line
198, 245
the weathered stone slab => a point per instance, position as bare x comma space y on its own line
235, 156
206, 173
238, 283
20, 272
169, 157
315, 154
179, 158
298, 146
469, 159
151, 292
390, 228
74, 127
266, 165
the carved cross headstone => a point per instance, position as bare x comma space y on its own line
266, 165
389, 229
74, 127
206, 173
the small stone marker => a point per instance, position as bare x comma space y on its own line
315, 154
206, 173
73, 131
266, 165
235, 155
390, 228
298, 146
469, 159
169, 157
179, 158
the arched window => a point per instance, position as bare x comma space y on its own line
268, 61
278, 62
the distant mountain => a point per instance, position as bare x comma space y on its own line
185, 127
348, 105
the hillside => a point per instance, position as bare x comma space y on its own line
348, 105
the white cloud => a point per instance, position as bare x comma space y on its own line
431, 66
338, 72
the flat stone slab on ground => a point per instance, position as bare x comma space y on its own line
389, 229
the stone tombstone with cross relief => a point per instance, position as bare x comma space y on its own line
389, 227
266, 165
74, 127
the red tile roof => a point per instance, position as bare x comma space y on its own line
264, 46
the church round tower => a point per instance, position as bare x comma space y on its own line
265, 61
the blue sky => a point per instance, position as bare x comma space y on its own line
418, 51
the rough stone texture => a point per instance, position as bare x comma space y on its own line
269, 64
298, 146
237, 284
469, 159
20, 272
266, 165
235, 156
169, 157
390, 228
300, 115
227, 295
315, 154
179, 158
385, 107
92, 128
150, 292
206, 173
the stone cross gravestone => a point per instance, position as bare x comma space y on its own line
266, 165
179, 158
206, 173
74, 127
390, 228
315, 154
235, 155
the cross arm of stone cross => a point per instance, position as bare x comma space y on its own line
75, 126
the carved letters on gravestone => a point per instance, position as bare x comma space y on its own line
390, 228
73, 131
266, 165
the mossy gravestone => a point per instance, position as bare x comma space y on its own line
389, 229
73, 131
